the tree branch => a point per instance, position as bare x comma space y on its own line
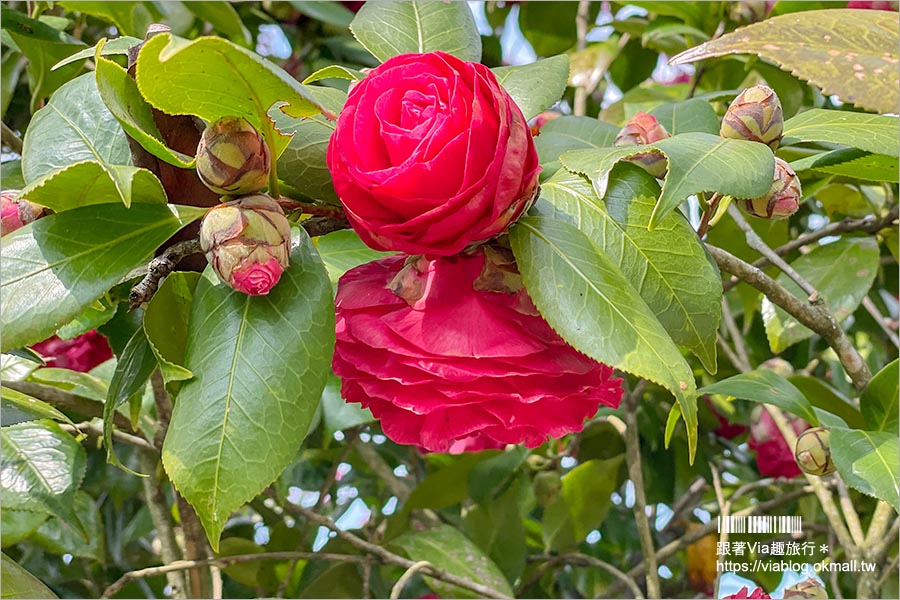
404, 579
159, 268
158, 507
581, 560
385, 555
815, 317
224, 561
96, 431
9, 137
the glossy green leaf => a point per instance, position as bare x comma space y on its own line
37, 409
224, 19
213, 78
448, 549
491, 477
825, 398
842, 272
387, 29
80, 384
698, 162
496, 527
868, 461
130, 18
260, 364
57, 266
585, 297
11, 175
549, 27
19, 583
848, 53
851, 162
333, 13
302, 164
582, 504
42, 469
115, 47
694, 115
536, 86
134, 366
120, 93
766, 386
668, 266
342, 251
18, 525
571, 133
73, 127
89, 182
57, 537
879, 403
166, 323
334, 72
873, 133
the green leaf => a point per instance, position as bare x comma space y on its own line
38, 409
260, 364
549, 28
166, 323
387, 29
342, 251
848, 53
764, 385
75, 126
130, 18
872, 133
119, 92
57, 537
338, 414
584, 296
115, 47
853, 163
19, 583
18, 525
89, 182
80, 384
224, 19
491, 477
213, 78
58, 266
134, 366
11, 175
448, 549
582, 504
536, 86
668, 267
333, 13
867, 460
879, 402
334, 72
842, 272
825, 398
496, 527
692, 115
42, 469
302, 164
571, 133
698, 162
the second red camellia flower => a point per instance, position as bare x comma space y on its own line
430, 154
453, 349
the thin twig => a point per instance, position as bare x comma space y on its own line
879, 524
635, 473
407, 575
11, 139
158, 507
870, 307
740, 347
67, 401
757, 243
385, 555
850, 515
382, 469
95, 431
312, 208
224, 561
815, 317
579, 107
159, 268
724, 511
581, 560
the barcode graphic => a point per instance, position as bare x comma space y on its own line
762, 524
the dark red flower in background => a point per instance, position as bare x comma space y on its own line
82, 353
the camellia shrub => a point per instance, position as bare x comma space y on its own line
449, 299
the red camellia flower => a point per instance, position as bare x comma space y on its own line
774, 458
446, 349
82, 353
430, 154
746, 594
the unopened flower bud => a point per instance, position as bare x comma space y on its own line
813, 452
640, 130
779, 366
782, 199
809, 588
755, 115
17, 213
247, 242
547, 487
232, 157
750, 11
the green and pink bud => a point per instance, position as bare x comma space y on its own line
644, 129
233, 158
782, 199
813, 452
247, 242
755, 115
17, 213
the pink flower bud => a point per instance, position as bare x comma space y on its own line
17, 213
644, 129
256, 279
783, 198
756, 116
